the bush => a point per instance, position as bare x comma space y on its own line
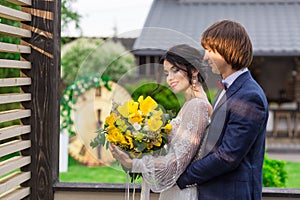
73, 55
160, 93
84, 57
274, 173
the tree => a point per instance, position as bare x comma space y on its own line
68, 15
86, 56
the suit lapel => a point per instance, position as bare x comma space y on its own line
216, 128
217, 96
236, 85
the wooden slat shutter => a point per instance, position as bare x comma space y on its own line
11, 142
29, 130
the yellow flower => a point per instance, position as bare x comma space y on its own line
134, 154
114, 135
124, 142
128, 136
149, 145
139, 136
121, 125
135, 118
147, 105
128, 108
158, 142
154, 124
110, 120
157, 114
167, 127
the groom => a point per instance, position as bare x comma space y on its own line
232, 168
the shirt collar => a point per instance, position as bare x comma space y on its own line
232, 77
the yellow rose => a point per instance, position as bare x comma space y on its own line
114, 135
128, 136
110, 120
124, 142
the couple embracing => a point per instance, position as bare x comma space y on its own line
214, 151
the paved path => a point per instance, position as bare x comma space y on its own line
292, 157
284, 148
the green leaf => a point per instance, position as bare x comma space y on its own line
141, 147
102, 139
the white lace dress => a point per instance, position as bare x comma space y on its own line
161, 172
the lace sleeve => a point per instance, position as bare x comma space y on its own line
161, 172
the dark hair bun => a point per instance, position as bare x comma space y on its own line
187, 58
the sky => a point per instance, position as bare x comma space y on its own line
102, 18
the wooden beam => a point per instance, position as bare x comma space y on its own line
8, 82
13, 164
13, 98
45, 76
20, 2
10, 181
14, 146
6, 116
14, 48
13, 14
14, 31
13, 131
4, 63
16, 193
43, 51
37, 31
39, 13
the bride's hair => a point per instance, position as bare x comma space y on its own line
188, 59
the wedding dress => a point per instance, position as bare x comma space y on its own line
161, 172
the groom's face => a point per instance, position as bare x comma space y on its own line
215, 61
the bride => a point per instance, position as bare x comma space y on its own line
184, 73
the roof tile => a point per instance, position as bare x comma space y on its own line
273, 26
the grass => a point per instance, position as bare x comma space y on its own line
81, 173
102, 174
293, 179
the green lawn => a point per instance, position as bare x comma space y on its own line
293, 179
80, 173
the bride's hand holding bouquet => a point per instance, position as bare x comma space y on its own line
133, 129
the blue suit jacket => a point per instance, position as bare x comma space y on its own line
232, 168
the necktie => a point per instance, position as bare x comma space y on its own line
223, 86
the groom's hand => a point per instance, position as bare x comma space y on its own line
184, 182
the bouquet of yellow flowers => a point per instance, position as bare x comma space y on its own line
137, 127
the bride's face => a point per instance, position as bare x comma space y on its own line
176, 78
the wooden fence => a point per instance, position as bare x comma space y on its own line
29, 147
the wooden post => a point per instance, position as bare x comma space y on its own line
297, 81
45, 77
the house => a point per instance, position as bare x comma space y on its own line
273, 26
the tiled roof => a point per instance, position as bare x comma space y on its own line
273, 26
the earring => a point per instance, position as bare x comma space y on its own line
194, 81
